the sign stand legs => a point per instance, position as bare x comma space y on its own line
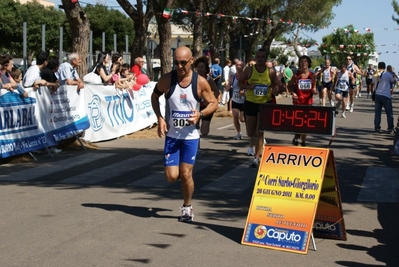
30, 153
80, 142
49, 152
313, 242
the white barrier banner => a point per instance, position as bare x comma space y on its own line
61, 113
114, 112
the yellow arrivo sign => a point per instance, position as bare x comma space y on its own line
285, 198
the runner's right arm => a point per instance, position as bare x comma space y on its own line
160, 88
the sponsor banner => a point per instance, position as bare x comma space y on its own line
114, 112
61, 113
329, 222
285, 196
277, 237
19, 127
42, 119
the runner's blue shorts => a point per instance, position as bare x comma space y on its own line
180, 150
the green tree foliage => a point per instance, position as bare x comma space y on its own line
274, 18
343, 42
278, 17
111, 22
35, 15
395, 6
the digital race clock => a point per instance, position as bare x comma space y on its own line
297, 119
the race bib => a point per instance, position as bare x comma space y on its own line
326, 76
342, 85
261, 89
180, 118
305, 84
237, 96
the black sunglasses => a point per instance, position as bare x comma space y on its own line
348, 59
182, 62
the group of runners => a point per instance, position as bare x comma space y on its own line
192, 97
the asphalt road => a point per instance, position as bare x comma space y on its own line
111, 206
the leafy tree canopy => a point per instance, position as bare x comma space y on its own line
346, 41
111, 22
12, 17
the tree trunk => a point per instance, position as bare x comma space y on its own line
196, 20
165, 35
212, 35
141, 21
80, 30
295, 43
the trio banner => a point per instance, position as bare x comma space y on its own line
41, 120
115, 112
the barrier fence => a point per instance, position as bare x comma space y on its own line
46, 118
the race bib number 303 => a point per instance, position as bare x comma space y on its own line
305, 84
180, 118
261, 89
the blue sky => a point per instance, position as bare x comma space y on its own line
373, 14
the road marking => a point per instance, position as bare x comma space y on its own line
53, 167
234, 181
158, 179
224, 127
101, 174
380, 185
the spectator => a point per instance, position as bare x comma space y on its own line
116, 77
6, 79
117, 57
383, 99
32, 77
67, 73
216, 75
138, 66
293, 67
226, 72
126, 77
101, 66
287, 75
16, 74
48, 73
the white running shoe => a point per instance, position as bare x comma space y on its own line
55, 150
255, 163
238, 136
332, 103
360, 95
187, 214
348, 106
351, 108
343, 115
250, 151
